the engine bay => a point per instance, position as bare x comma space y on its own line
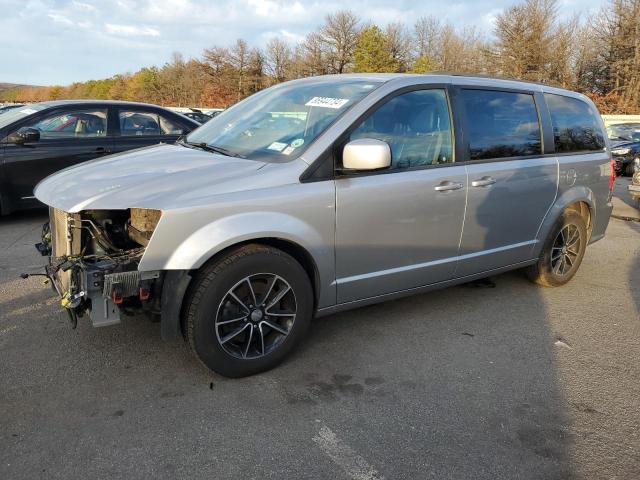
94, 257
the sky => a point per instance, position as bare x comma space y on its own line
47, 42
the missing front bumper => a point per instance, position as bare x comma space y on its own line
99, 285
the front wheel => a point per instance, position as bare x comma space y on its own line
248, 310
562, 252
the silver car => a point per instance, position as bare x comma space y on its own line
324, 194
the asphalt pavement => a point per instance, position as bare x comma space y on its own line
511, 382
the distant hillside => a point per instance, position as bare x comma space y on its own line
12, 86
10, 91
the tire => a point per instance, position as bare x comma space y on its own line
628, 169
552, 273
223, 326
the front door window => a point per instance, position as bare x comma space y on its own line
73, 124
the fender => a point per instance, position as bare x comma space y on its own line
577, 194
192, 251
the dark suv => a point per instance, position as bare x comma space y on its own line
625, 146
39, 139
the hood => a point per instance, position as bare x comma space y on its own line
624, 144
162, 176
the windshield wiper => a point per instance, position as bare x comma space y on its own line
212, 148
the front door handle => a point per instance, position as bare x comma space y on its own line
483, 182
448, 186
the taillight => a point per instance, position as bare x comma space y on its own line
612, 177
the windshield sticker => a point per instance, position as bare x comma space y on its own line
327, 102
288, 150
28, 111
277, 146
298, 142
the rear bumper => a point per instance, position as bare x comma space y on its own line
601, 222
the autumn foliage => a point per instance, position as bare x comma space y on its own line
599, 56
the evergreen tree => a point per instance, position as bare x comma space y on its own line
373, 52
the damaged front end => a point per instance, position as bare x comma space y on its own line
93, 263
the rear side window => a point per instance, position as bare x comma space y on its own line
501, 124
575, 125
147, 123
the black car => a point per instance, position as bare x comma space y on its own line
625, 146
41, 138
198, 115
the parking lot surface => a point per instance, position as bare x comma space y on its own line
511, 382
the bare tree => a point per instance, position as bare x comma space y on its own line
239, 60
399, 43
338, 38
617, 36
426, 31
215, 59
314, 56
278, 59
256, 71
532, 44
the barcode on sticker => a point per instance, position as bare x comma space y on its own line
327, 102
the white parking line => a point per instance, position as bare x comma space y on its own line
344, 456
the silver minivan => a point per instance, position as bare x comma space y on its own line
324, 194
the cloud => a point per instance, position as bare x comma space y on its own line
290, 37
131, 30
75, 40
488, 20
264, 8
56, 17
84, 6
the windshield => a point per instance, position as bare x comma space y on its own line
9, 116
629, 132
278, 123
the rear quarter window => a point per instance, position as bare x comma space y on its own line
147, 123
501, 124
576, 127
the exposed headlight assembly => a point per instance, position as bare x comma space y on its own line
142, 223
621, 151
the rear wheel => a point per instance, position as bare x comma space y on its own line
247, 311
562, 252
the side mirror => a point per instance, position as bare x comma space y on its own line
366, 154
25, 135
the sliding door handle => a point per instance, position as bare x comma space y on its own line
483, 182
448, 186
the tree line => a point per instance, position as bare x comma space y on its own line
597, 55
